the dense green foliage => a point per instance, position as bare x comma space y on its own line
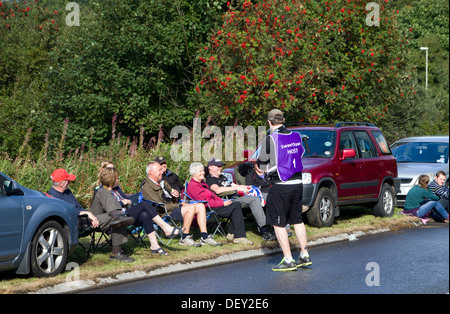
136, 67
318, 60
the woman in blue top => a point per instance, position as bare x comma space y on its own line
420, 201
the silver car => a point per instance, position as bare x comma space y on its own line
419, 155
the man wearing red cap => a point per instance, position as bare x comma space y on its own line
60, 189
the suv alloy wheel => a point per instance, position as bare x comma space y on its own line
386, 202
321, 214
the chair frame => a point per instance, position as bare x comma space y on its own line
93, 244
167, 218
210, 213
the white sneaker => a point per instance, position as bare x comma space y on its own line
189, 241
209, 241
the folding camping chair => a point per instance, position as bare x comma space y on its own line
138, 235
167, 218
211, 215
86, 230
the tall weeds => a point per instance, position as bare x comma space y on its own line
130, 157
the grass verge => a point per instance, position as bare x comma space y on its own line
352, 219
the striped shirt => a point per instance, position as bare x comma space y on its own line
438, 190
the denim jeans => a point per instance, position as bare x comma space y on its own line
428, 206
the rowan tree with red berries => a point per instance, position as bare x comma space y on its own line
318, 61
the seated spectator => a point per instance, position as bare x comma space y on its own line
438, 188
199, 190
219, 184
107, 208
260, 179
420, 201
108, 164
157, 190
169, 176
60, 189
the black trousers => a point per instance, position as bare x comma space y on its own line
143, 214
234, 212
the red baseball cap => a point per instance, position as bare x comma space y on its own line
61, 175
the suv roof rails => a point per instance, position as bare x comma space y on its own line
337, 125
341, 124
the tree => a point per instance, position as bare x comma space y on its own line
28, 33
428, 22
130, 59
317, 60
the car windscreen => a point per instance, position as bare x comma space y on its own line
421, 152
321, 144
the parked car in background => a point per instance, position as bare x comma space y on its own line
346, 164
419, 155
37, 232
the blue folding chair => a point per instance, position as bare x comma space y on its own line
167, 218
211, 215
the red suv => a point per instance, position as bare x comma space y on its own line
346, 164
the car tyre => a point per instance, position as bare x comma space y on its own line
321, 214
49, 250
386, 202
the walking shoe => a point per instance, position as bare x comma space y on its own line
189, 241
121, 221
303, 262
121, 257
242, 240
285, 266
230, 236
269, 236
209, 241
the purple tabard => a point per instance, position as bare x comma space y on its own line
288, 152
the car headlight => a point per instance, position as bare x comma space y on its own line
430, 175
306, 178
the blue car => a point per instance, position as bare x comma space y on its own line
37, 232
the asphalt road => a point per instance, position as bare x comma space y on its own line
406, 262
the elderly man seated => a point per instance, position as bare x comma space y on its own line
219, 184
60, 189
157, 190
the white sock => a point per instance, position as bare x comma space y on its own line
302, 255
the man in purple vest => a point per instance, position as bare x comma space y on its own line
281, 157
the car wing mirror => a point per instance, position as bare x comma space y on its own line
348, 153
246, 153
